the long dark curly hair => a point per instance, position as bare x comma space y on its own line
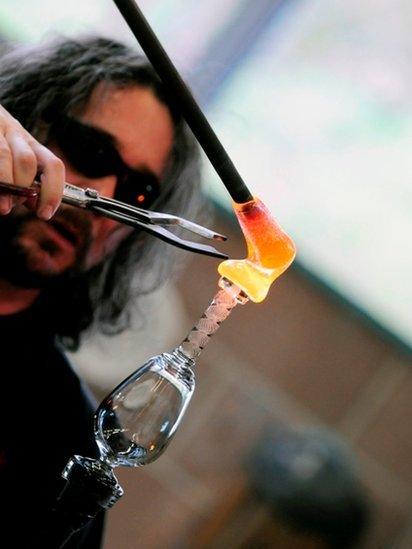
41, 83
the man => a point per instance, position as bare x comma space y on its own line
93, 113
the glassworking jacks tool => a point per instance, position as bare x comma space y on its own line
145, 220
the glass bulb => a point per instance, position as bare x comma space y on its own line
135, 423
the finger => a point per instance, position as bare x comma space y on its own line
24, 160
52, 181
6, 173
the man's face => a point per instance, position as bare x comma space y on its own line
36, 251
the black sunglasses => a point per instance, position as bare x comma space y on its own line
91, 152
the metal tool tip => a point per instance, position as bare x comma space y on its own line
220, 237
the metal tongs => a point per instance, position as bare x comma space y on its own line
146, 220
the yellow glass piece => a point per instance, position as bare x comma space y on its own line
270, 251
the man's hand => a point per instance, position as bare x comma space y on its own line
21, 158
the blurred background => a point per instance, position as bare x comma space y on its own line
298, 435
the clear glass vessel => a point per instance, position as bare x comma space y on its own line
136, 422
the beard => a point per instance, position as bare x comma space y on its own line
37, 254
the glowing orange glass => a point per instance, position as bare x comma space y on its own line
270, 251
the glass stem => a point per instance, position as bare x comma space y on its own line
228, 296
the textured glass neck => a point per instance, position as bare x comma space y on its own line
224, 301
179, 365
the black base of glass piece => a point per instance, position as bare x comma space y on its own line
91, 487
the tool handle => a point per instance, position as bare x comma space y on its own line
29, 192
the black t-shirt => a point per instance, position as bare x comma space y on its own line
46, 416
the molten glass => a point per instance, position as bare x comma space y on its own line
270, 251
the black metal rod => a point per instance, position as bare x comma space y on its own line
183, 98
